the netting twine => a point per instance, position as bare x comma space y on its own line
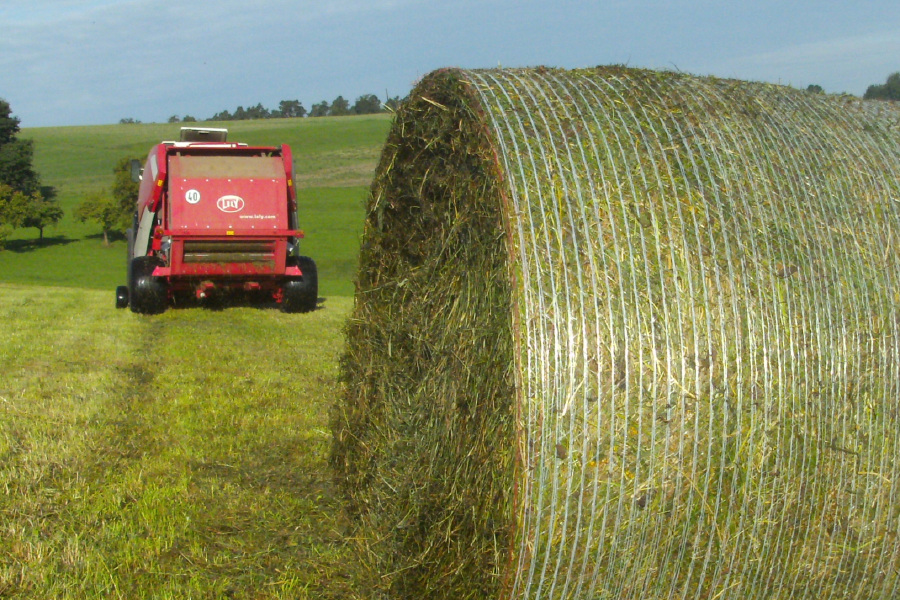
687, 289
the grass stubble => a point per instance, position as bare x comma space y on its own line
180, 456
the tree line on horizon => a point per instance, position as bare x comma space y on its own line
367, 104
889, 90
371, 104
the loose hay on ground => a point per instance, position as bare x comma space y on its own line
622, 334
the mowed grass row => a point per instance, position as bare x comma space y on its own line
178, 456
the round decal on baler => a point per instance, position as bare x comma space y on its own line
230, 204
192, 196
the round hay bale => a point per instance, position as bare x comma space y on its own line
626, 334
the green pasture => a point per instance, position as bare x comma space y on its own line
74, 255
335, 157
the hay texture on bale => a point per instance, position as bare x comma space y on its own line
626, 334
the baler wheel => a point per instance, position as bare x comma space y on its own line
301, 295
129, 237
149, 295
122, 296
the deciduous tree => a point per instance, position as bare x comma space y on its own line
114, 212
221, 116
16, 168
889, 90
26, 203
291, 109
42, 212
320, 109
16, 155
367, 104
339, 108
125, 191
13, 209
9, 125
257, 112
101, 208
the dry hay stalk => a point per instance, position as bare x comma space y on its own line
626, 334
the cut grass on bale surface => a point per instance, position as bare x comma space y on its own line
627, 334
178, 456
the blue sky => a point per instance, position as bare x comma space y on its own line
78, 62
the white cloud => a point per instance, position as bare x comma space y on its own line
95, 61
849, 63
43, 11
89, 62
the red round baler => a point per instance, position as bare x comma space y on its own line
216, 217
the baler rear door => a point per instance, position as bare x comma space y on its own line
215, 193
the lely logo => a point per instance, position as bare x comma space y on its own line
230, 204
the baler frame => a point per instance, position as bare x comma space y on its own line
194, 248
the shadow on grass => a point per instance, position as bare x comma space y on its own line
21, 246
292, 471
233, 300
276, 467
268, 506
112, 236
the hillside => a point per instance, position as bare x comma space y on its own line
336, 158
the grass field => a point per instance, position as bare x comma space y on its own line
335, 157
183, 455
75, 256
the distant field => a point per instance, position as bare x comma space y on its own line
336, 158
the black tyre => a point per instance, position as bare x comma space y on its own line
149, 295
301, 295
129, 236
122, 296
